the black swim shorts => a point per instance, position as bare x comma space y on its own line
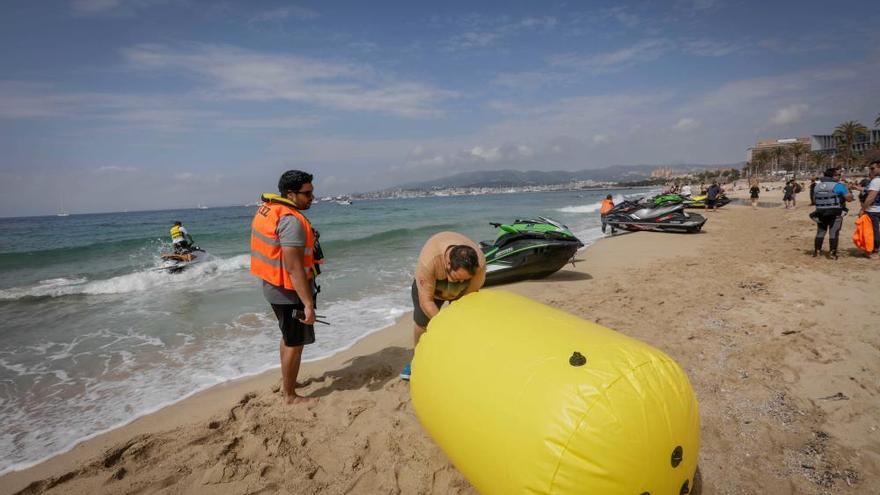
295, 332
710, 203
419, 316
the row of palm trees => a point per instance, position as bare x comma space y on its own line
846, 135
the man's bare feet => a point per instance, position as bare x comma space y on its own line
299, 399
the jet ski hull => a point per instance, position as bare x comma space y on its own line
529, 259
674, 223
177, 262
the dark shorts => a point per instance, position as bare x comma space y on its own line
710, 203
295, 332
419, 316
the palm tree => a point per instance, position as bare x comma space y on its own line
877, 121
760, 159
847, 134
777, 152
797, 150
819, 159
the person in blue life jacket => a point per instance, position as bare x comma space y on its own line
830, 197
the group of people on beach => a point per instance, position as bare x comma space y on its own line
286, 255
830, 194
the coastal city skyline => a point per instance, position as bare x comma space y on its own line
108, 105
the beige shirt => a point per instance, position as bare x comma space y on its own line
431, 277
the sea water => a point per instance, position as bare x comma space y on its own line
93, 333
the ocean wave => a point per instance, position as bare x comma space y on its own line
387, 237
144, 280
590, 208
108, 385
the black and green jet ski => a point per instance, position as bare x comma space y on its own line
528, 249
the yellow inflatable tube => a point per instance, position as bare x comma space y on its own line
524, 398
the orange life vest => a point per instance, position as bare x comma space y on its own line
607, 204
863, 237
266, 260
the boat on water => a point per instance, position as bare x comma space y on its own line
528, 249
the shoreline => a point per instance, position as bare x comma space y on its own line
774, 342
179, 413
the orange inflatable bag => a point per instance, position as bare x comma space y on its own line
863, 237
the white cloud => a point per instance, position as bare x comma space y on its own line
601, 139
94, 6
109, 169
184, 176
686, 123
789, 114
641, 52
283, 13
235, 74
712, 48
527, 81
112, 8
484, 32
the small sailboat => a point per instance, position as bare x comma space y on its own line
202, 207
61, 211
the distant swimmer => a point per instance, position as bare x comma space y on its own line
286, 255
607, 205
830, 197
183, 242
449, 267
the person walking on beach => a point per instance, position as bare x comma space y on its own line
788, 193
607, 205
450, 266
754, 192
180, 238
286, 255
813, 184
712, 196
830, 196
686, 190
871, 204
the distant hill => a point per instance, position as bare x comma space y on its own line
515, 178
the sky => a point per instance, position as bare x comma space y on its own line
111, 105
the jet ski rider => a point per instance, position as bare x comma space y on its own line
450, 266
183, 242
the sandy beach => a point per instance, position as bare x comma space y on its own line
779, 347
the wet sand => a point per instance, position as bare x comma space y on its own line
781, 348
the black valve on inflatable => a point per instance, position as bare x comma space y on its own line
677, 456
577, 359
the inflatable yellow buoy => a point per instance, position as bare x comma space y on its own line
524, 398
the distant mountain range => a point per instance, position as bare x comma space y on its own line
517, 178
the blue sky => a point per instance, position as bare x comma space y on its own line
143, 104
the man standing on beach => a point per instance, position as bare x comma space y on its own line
754, 192
285, 254
871, 204
830, 197
450, 266
712, 196
607, 205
